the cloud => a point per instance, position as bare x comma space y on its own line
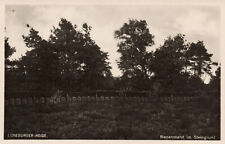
198, 23
15, 28
201, 25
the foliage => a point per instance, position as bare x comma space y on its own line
10, 65
175, 65
134, 38
179, 65
168, 61
199, 58
216, 79
69, 60
8, 52
112, 120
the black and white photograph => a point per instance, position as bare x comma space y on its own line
112, 71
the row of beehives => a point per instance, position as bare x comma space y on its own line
56, 100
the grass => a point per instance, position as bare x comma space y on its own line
112, 120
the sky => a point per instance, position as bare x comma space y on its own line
196, 22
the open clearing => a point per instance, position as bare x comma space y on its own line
112, 120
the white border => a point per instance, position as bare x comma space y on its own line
220, 3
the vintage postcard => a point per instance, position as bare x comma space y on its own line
117, 72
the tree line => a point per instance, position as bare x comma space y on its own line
70, 60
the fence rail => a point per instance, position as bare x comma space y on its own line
101, 96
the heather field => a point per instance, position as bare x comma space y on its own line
114, 120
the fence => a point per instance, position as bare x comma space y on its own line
101, 96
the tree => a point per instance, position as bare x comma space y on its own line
134, 38
169, 61
199, 58
70, 60
179, 64
39, 65
81, 60
10, 66
8, 52
96, 69
215, 81
67, 43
